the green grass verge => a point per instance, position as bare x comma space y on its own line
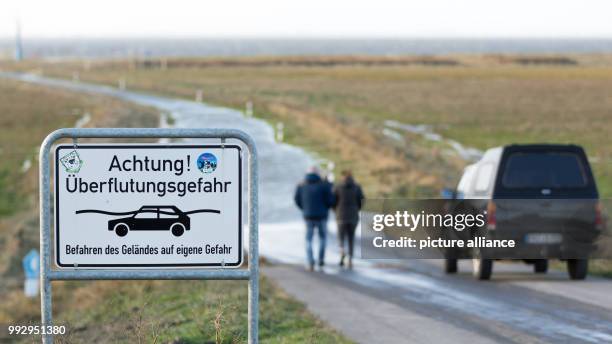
180, 312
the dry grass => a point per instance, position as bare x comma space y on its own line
338, 109
171, 312
28, 114
335, 106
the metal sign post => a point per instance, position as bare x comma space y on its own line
47, 274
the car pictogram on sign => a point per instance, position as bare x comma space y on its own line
151, 218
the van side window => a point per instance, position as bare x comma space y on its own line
483, 178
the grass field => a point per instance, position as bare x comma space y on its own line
20, 138
111, 311
27, 114
169, 312
338, 109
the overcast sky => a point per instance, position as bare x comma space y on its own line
315, 18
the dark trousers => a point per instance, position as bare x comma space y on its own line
346, 233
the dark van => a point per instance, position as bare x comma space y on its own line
541, 196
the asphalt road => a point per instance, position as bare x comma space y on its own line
516, 306
392, 301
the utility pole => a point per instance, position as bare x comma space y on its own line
18, 44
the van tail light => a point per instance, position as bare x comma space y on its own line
598, 216
491, 219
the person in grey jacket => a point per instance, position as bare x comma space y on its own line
348, 201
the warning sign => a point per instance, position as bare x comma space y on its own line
124, 206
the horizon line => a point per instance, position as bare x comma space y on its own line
303, 37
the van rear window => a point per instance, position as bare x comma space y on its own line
544, 170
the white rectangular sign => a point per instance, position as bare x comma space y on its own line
128, 206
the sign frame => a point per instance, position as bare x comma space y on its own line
47, 274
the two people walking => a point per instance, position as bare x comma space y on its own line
315, 196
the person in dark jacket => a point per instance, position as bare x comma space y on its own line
348, 201
314, 197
